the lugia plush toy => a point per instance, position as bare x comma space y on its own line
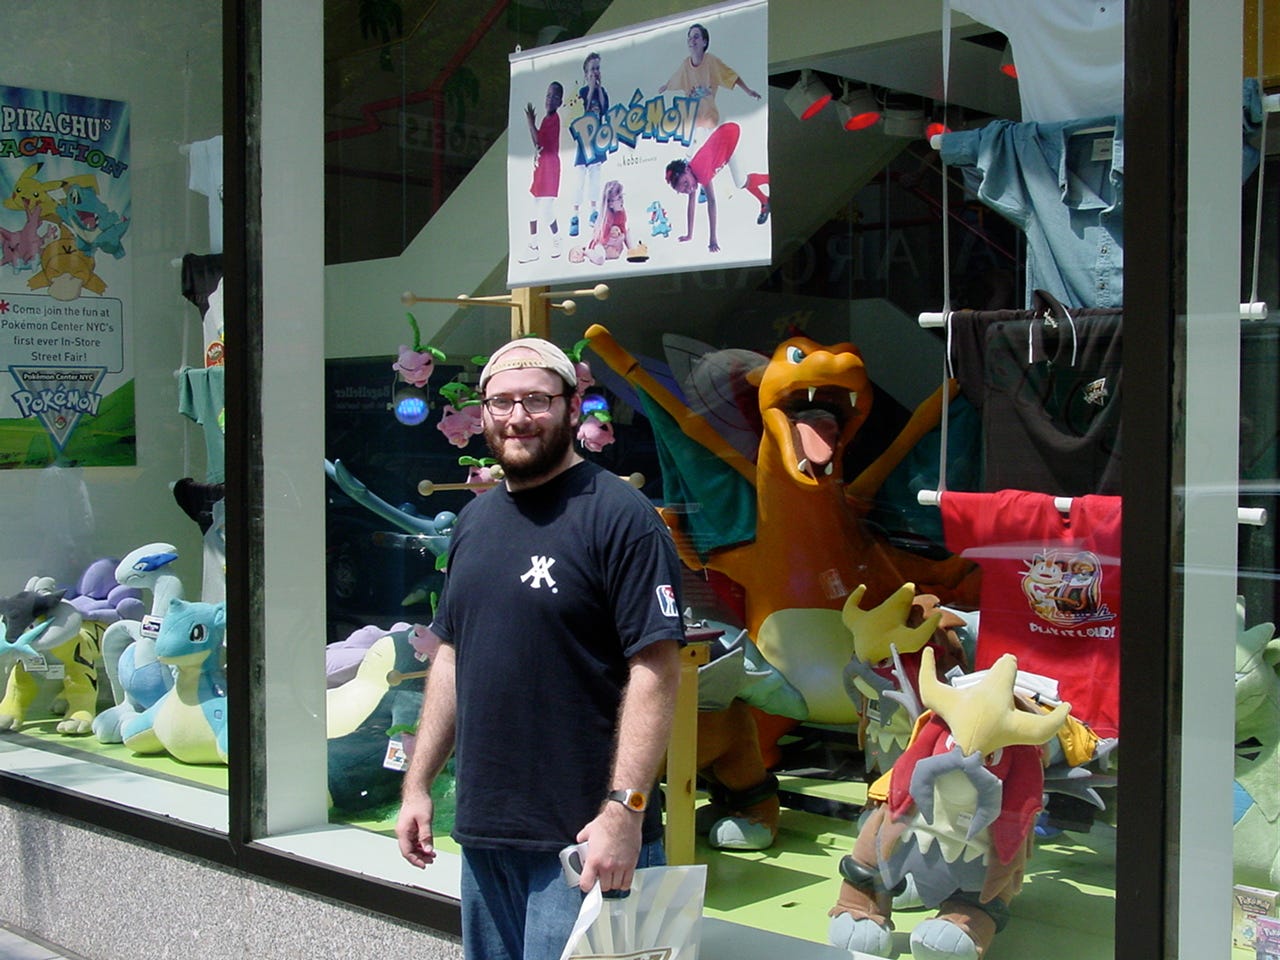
137, 678
44, 634
189, 721
956, 813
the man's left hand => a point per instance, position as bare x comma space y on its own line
613, 847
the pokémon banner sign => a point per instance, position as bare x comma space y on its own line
641, 151
65, 281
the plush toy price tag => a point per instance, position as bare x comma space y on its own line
395, 758
49, 670
150, 626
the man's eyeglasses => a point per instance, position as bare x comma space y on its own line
534, 404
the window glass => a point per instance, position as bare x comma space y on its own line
112, 450
1255, 929
1022, 548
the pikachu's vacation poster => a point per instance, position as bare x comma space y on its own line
65, 281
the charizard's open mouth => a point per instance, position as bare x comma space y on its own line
817, 417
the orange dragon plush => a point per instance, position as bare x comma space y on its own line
810, 548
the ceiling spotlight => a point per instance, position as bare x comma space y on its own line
903, 117
808, 96
1007, 66
858, 109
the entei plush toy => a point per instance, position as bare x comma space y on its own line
956, 813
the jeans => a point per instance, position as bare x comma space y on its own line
517, 906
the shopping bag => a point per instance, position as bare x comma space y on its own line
661, 919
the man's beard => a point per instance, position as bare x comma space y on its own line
529, 462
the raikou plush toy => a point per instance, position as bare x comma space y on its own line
956, 813
190, 721
45, 634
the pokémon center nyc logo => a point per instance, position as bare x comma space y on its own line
57, 396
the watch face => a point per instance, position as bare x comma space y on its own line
631, 799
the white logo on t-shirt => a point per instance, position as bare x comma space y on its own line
540, 573
667, 600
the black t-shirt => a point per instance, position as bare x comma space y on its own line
201, 274
549, 591
1049, 396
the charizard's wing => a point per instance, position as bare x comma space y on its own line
715, 385
704, 478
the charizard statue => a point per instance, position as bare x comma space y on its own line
810, 548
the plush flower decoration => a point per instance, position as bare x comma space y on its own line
595, 432
416, 364
480, 470
461, 419
583, 369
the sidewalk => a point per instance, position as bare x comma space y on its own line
21, 945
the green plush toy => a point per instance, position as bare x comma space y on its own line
43, 636
1256, 830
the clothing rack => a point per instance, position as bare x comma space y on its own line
1246, 516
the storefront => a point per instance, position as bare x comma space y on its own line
210, 224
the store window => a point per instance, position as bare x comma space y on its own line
113, 455
1026, 500
870, 231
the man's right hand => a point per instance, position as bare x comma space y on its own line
413, 829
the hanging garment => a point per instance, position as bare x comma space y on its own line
204, 176
1047, 384
202, 285
1050, 590
1069, 53
201, 392
1062, 184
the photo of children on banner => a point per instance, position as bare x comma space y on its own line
673, 127
700, 75
612, 238
594, 100
546, 172
690, 176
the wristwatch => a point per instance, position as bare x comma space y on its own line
635, 800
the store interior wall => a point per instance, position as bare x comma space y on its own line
461, 250
164, 60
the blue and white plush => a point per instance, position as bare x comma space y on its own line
137, 678
189, 721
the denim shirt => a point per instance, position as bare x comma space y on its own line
1064, 189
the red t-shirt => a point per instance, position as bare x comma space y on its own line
1050, 590
546, 165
